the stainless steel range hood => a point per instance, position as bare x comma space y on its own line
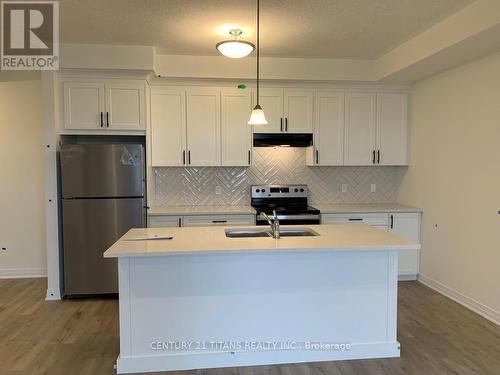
282, 139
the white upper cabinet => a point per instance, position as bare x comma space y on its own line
168, 127
392, 129
203, 127
287, 111
104, 105
236, 106
84, 105
125, 105
298, 111
328, 147
360, 127
271, 101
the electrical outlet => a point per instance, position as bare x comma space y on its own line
373, 188
218, 190
344, 188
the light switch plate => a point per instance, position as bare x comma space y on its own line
344, 188
373, 188
218, 190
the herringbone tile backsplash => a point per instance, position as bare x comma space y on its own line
197, 186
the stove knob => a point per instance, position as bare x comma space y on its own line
263, 190
296, 190
302, 190
257, 191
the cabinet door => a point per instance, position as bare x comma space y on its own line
298, 111
203, 126
360, 129
271, 101
373, 219
83, 105
222, 220
165, 221
168, 127
329, 129
392, 128
407, 225
236, 107
125, 106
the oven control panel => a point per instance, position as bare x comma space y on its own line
279, 191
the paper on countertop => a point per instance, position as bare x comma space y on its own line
149, 238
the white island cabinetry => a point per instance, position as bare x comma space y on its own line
338, 288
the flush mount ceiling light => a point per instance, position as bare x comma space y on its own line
257, 117
235, 48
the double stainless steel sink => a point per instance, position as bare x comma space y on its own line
257, 232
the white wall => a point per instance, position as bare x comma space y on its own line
22, 210
454, 175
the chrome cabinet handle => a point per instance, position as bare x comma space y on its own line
183, 157
102, 124
373, 161
189, 157
392, 221
281, 124
317, 156
378, 157
107, 119
249, 157
355, 219
286, 124
219, 221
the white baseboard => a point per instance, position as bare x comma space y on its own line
22, 273
479, 308
407, 277
53, 295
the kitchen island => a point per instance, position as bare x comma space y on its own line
203, 300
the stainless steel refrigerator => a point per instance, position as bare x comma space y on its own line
103, 188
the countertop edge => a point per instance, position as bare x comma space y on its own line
262, 250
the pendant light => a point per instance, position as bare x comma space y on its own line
235, 48
257, 117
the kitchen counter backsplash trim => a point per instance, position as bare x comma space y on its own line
197, 186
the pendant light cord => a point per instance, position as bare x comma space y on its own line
258, 48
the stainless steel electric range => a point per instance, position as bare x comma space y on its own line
289, 202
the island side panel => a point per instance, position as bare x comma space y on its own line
322, 296
124, 304
392, 295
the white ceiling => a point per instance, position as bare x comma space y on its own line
363, 29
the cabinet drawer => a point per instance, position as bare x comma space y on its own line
209, 220
376, 219
165, 221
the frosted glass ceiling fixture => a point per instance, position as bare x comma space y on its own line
235, 48
257, 117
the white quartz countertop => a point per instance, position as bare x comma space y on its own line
201, 210
201, 240
340, 208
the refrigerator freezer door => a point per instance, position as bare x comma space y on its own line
102, 170
90, 227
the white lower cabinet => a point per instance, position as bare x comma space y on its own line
209, 220
165, 221
169, 221
406, 225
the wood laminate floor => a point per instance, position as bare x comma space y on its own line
438, 336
